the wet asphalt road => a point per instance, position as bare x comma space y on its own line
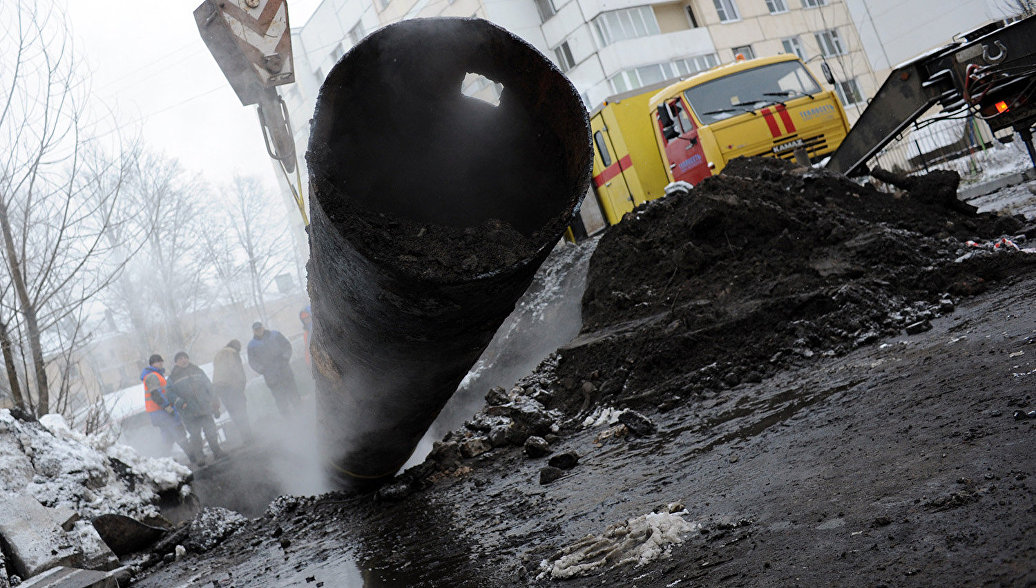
898, 464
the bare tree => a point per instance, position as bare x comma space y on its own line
1018, 8
169, 277
221, 254
58, 195
262, 236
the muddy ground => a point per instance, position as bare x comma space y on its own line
829, 378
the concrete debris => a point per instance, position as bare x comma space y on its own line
126, 535
474, 447
40, 538
496, 396
66, 577
500, 435
639, 540
211, 527
638, 424
536, 447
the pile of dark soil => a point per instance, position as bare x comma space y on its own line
763, 267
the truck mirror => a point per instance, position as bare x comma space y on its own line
670, 132
830, 77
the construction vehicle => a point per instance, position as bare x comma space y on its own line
251, 42
990, 74
686, 131
623, 136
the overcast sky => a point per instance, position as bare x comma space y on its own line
149, 66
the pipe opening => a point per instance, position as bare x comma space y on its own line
478, 86
405, 148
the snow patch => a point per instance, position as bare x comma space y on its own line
602, 416
211, 527
89, 474
638, 541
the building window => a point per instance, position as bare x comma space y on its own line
602, 149
691, 17
745, 50
292, 93
639, 77
546, 9
356, 33
564, 56
813, 3
777, 6
830, 43
338, 52
619, 25
727, 10
651, 74
849, 92
793, 46
693, 65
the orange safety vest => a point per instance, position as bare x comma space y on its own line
151, 405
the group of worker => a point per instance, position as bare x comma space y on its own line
184, 405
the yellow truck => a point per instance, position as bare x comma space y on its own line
688, 130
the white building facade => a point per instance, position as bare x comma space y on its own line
607, 47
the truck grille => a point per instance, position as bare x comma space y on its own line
784, 148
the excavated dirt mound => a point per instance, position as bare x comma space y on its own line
762, 267
744, 320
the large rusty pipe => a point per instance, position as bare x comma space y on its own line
431, 211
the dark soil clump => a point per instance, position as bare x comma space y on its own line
765, 266
432, 251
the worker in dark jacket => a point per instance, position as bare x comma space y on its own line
192, 395
160, 407
269, 353
228, 382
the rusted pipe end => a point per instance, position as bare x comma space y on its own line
432, 210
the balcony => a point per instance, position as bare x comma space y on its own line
654, 49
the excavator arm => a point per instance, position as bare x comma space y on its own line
990, 74
251, 41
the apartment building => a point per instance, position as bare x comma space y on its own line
604, 46
608, 47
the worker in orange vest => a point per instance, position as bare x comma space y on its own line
161, 410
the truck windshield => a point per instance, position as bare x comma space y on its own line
748, 90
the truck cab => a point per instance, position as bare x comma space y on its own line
770, 106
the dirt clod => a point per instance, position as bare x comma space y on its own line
564, 461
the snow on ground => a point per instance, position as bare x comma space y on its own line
638, 540
602, 416
1019, 199
91, 475
997, 161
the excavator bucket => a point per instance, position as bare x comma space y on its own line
251, 42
